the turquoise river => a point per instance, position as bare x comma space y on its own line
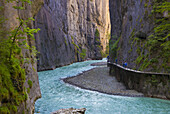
58, 95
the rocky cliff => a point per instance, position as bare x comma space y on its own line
140, 34
19, 84
71, 30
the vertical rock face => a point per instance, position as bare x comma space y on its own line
132, 23
31, 68
53, 43
84, 17
68, 31
10, 15
125, 17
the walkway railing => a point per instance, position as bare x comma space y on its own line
150, 83
136, 71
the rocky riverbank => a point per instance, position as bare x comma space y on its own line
98, 79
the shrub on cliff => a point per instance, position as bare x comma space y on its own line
12, 73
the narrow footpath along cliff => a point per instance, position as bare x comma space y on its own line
71, 30
140, 34
19, 84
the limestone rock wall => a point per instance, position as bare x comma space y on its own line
126, 16
68, 31
10, 15
84, 17
131, 25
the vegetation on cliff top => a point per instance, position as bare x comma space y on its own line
12, 73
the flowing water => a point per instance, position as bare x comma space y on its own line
58, 95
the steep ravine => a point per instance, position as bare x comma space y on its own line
71, 30
139, 34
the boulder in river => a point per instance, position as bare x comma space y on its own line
70, 111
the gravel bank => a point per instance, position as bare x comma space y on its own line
98, 79
99, 64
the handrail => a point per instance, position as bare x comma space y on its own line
151, 84
136, 71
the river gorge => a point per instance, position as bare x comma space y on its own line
58, 95
39, 38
